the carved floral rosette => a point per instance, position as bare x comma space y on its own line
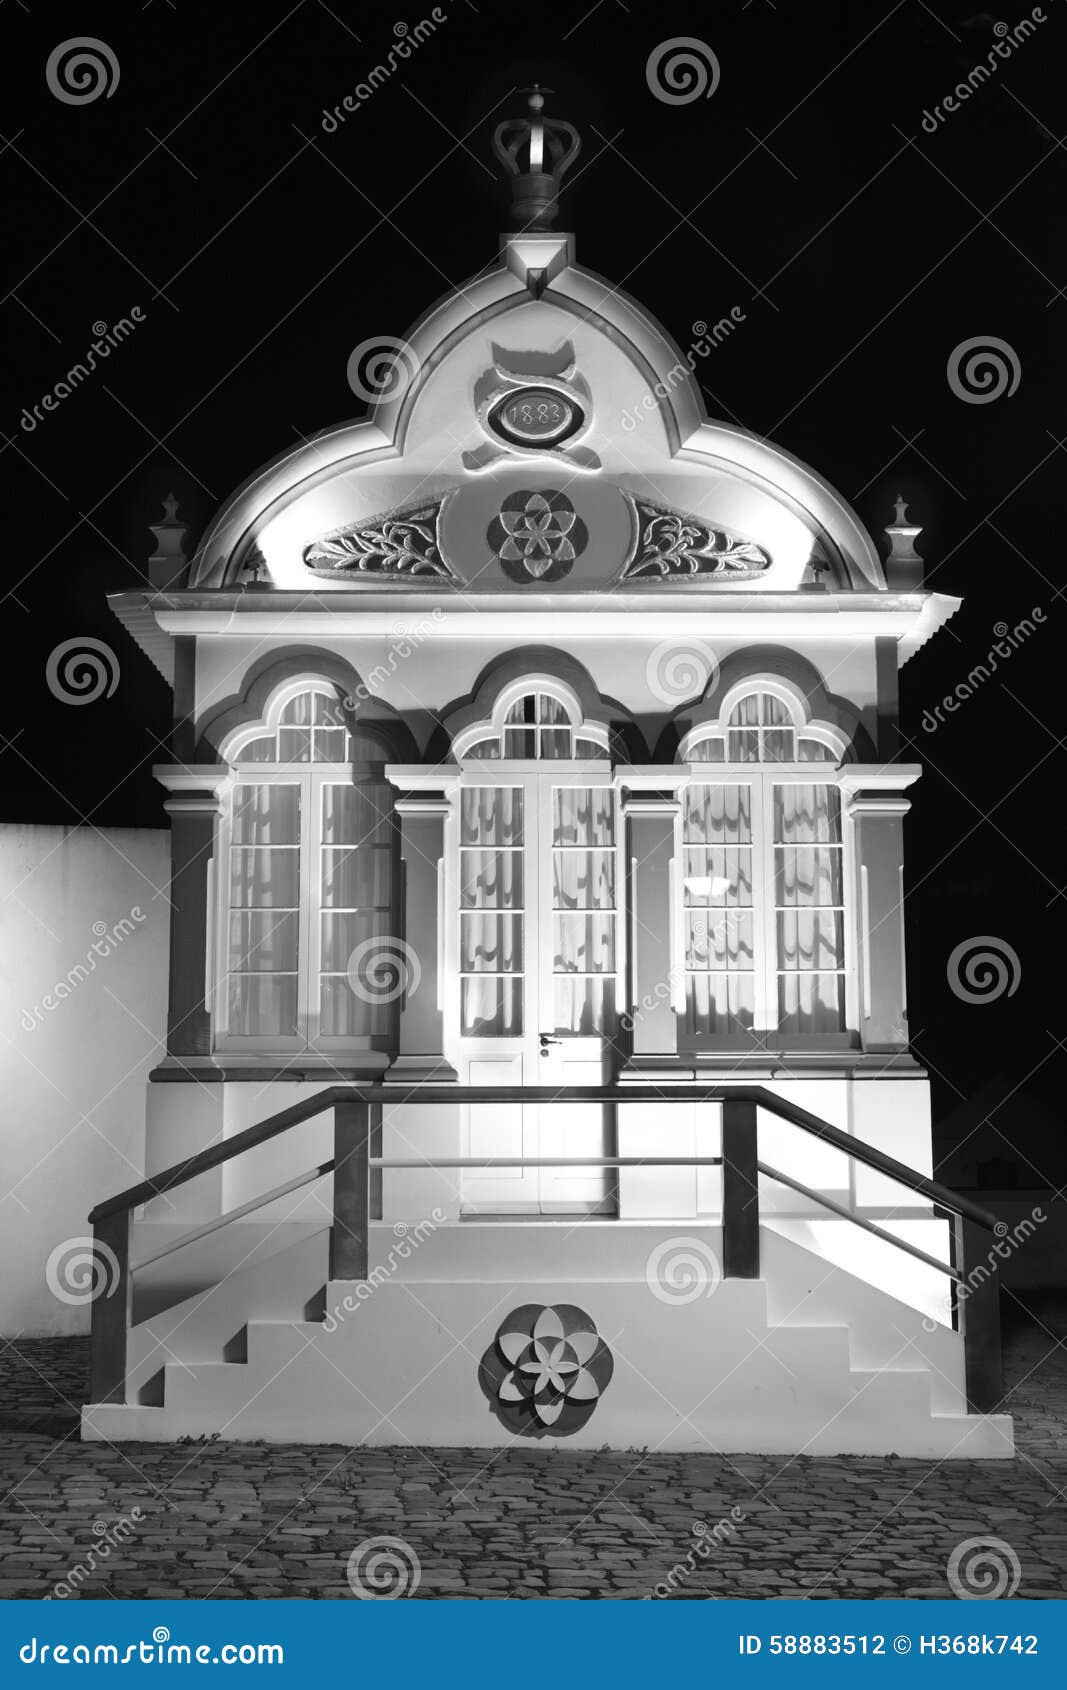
546, 1369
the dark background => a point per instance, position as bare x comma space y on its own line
805, 191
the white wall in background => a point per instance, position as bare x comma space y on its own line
83, 1002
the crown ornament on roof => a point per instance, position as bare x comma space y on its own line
536, 152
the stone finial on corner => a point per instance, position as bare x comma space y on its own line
903, 565
168, 563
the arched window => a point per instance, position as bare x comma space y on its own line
305, 872
765, 882
534, 722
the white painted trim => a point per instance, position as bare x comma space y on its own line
865, 941
210, 960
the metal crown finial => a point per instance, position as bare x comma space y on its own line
536, 152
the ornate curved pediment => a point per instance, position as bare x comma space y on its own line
399, 542
674, 544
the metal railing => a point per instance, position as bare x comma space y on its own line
357, 1116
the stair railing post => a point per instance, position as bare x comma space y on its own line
977, 1303
350, 1232
112, 1306
740, 1191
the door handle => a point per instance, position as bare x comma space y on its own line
547, 1040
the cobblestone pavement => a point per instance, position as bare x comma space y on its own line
248, 1521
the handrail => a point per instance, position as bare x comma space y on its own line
238, 1214
252, 1137
860, 1220
357, 1114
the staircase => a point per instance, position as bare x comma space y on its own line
798, 1356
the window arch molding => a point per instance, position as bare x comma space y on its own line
390, 738
556, 712
825, 741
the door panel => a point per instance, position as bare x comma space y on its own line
537, 950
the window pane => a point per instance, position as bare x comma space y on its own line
297, 713
718, 878
359, 878
583, 1007
778, 746
583, 815
719, 940
590, 748
490, 880
330, 745
814, 751
294, 745
520, 742
343, 930
550, 710
490, 1007
583, 880
811, 1003
555, 744
490, 944
259, 751
491, 815
265, 878
584, 944
523, 710
807, 876
715, 814
266, 815
348, 816
809, 939
265, 941
344, 1013
775, 713
708, 751
718, 1004
328, 712
746, 713
263, 1004
488, 750
743, 746
804, 814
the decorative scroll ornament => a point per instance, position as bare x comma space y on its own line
548, 1367
399, 542
674, 543
537, 535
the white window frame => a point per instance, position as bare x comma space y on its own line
761, 778
311, 779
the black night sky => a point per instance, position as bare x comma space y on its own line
862, 250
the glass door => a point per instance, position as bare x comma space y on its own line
538, 971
